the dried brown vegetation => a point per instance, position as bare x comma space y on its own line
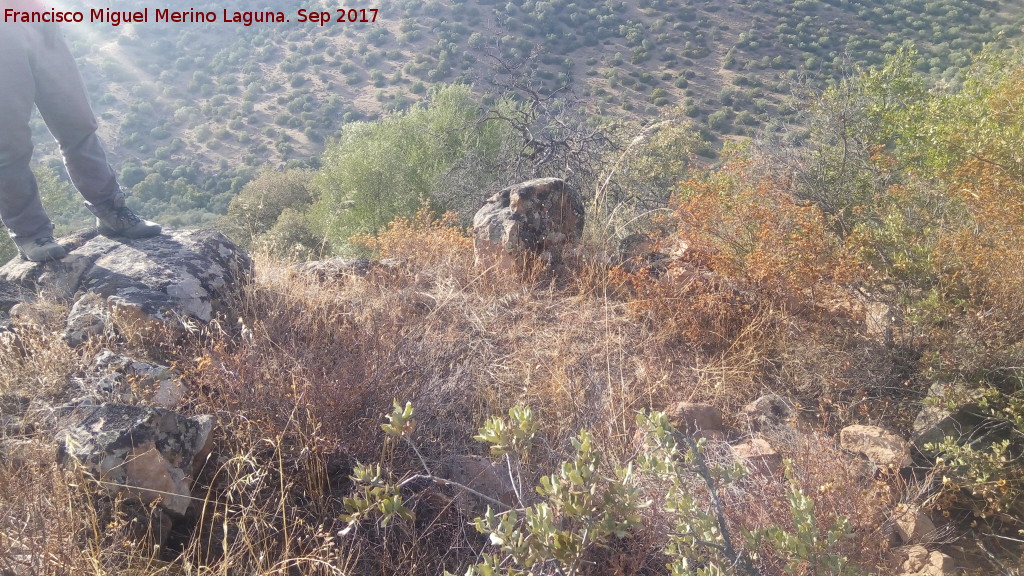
300, 387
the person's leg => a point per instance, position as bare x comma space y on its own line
20, 207
64, 105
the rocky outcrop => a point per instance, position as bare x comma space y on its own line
539, 217
150, 453
134, 286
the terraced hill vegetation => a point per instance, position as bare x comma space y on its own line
193, 111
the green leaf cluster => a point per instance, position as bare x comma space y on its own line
377, 171
590, 502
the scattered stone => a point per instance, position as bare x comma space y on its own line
139, 286
12, 410
695, 418
539, 217
346, 268
921, 562
88, 317
883, 448
767, 411
637, 245
150, 453
758, 455
879, 319
480, 474
913, 525
640, 252
937, 419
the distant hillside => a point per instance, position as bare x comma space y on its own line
192, 111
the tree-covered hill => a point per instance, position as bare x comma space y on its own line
192, 111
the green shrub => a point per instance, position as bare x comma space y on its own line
591, 501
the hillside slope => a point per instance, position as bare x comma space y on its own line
199, 108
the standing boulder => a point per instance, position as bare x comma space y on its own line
535, 218
150, 453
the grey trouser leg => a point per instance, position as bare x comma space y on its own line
37, 68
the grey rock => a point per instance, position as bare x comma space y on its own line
149, 453
137, 287
963, 420
118, 378
347, 268
638, 252
481, 475
767, 411
89, 317
12, 294
539, 217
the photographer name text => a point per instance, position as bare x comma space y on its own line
146, 15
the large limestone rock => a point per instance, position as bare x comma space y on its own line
135, 286
150, 453
538, 217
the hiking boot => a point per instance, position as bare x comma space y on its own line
40, 249
119, 220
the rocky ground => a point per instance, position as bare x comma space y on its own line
157, 374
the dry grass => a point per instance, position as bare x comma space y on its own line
300, 387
